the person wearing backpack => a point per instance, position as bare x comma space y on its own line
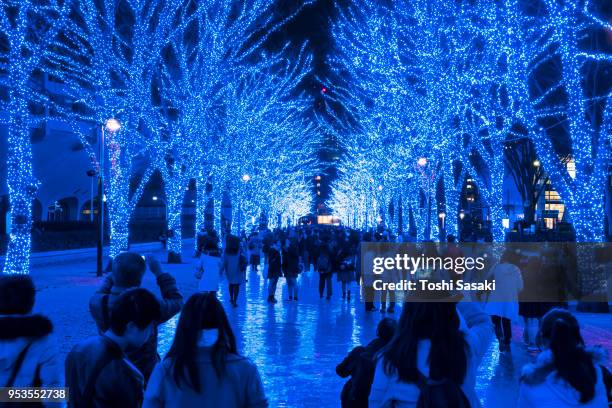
360, 363
28, 350
431, 362
98, 372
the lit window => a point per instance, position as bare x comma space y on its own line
552, 195
558, 208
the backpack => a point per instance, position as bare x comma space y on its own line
440, 394
322, 263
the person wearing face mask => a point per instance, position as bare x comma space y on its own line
203, 368
98, 372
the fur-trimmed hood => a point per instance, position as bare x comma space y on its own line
541, 376
24, 326
536, 373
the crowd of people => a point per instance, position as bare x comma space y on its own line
286, 253
427, 358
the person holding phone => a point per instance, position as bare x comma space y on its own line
127, 273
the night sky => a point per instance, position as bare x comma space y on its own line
312, 25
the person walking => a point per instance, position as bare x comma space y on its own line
387, 296
312, 248
29, 353
98, 373
203, 367
303, 248
324, 268
368, 277
566, 373
291, 267
128, 270
502, 303
207, 267
254, 251
360, 363
430, 347
346, 270
231, 267
274, 270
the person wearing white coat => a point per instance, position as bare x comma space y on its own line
207, 268
29, 353
458, 352
566, 374
502, 303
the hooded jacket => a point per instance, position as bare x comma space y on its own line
541, 387
40, 365
171, 302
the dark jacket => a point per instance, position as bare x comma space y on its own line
171, 302
40, 363
360, 366
240, 385
291, 261
98, 374
274, 264
337, 258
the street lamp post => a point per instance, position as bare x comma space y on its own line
421, 166
91, 174
442, 217
245, 179
112, 125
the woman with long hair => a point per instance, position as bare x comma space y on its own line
431, 346
202, 367
232, 268
566, 373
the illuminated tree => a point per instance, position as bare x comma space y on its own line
107, 59
400, 93
267, 138
586, 118
28, 30
453, 84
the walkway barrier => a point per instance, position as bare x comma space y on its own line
81, 254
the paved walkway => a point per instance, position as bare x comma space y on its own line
296, 345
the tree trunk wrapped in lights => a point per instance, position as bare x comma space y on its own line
28, 29
111, 81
